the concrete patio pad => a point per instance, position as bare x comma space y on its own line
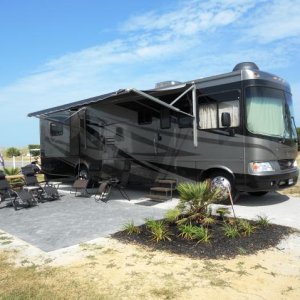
73, 220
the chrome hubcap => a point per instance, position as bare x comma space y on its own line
223, 184
83, 174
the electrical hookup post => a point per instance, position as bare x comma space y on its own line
2, 165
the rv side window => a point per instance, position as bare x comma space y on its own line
212, 106
165, 119
185, 122
56, 129
144, 117
119, 134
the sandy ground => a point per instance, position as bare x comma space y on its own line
121, 271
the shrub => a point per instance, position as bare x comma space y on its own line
130, 228
33, 150
17, 181
231, 231
222, 211
158, 230
201, 234
186, 231
263, 221
172, 215
12, 151
207, 221
195, 198
246, 227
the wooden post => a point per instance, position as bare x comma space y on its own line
14, 162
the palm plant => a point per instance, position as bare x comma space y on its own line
158, 230
231, 231
246, 227
187, 231
130, 228
172, 215
11, 171
195, 198
14, 171
201, 234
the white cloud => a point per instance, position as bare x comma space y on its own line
190, 17
275, 20
192, 40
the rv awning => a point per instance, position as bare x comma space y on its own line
133, 95
113, 97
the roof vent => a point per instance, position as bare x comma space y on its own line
246, 66
164, 84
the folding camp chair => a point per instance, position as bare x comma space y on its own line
47, 191
105, 188
80, 184
17, 198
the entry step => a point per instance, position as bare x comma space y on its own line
166, 181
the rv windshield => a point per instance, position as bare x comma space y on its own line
268, 112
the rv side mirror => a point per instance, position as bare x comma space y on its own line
226, 119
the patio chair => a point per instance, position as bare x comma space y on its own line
104, 190
17, 198
46, 191
80, 184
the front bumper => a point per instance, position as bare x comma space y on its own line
257, 183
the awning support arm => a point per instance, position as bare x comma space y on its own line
172, 107
195, 127
180, 96
160, 102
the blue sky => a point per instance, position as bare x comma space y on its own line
55, 52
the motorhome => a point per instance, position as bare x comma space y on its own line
236, 128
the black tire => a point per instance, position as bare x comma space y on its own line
258, 193
228, 181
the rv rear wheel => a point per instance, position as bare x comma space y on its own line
224, 182
83, 172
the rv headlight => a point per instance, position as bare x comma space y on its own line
295, 164
258, 167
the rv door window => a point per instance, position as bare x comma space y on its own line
56, 129
144, 117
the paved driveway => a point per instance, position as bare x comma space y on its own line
280, 209
73, 220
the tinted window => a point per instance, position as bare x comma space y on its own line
56, 129
165, 119
144, 117
212, 106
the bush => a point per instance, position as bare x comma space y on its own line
130, 228
158, 230
32, 150
195, 198
12, 151
172, 215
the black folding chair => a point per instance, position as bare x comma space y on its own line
104, 190
46, 191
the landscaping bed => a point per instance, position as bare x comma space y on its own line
219, 246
